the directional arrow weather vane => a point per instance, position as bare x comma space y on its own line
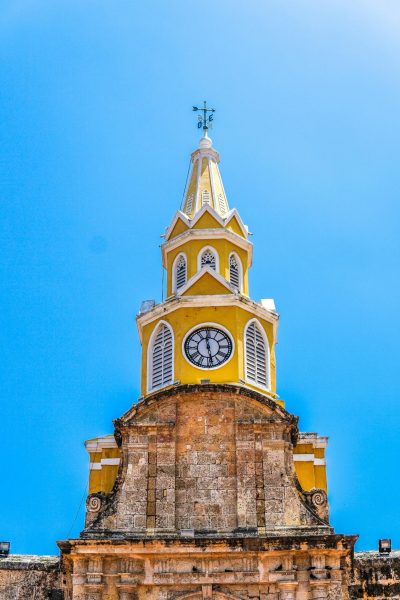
206, 118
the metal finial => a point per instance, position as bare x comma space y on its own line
206, 118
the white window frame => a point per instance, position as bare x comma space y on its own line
153, 336
240, 267
268, 356
200, 254
174, 273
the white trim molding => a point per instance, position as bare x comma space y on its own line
318, 462
177, 302
97, 444
206, 234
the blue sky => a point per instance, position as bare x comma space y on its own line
96, 131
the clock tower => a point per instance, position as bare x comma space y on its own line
208, 329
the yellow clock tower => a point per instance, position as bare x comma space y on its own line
208, 329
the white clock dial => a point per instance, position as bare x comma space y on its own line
208, 347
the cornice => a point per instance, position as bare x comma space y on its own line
301, 539
175, 302
206, 234
216, 388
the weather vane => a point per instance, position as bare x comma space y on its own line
206, 118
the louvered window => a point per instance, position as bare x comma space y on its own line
221, 204
205, 197
257, 356
162, 357
180, 272
189, 204
208, 259
234, 271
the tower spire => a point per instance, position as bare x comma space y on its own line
205, 183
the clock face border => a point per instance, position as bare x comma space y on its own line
216, 326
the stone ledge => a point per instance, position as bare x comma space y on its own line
29, 562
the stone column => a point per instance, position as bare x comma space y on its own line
287, 590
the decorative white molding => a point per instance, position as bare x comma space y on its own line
97, 444
318, 462
172, 304
317, 441
206, 234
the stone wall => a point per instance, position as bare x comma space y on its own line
25, 577
375, 576
206, 459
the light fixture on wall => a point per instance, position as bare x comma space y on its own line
4, 548
385, 546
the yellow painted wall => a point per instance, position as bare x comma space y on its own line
234, 319
234, 226
102, 480
310, 475
179, 227
192, 248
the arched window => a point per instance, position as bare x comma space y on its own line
235, 272
179, 272
208, 259
161, 355
256, 355
205, 197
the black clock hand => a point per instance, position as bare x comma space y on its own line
208, 348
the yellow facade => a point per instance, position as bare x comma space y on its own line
233, 318
192, 249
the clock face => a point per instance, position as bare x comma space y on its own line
208, 347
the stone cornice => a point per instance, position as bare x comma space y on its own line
211, 388
293, 541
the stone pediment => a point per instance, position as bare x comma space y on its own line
160, 406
